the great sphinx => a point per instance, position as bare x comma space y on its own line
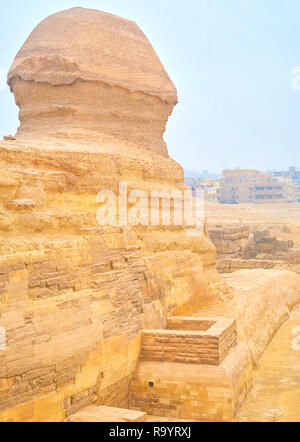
94, 102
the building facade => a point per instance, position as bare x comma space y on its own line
250, 186
291, 181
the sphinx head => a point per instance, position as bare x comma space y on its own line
89, 76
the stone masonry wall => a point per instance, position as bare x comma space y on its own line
178, 346
189, 323
185, 346
69, 297
191, 391
72, 312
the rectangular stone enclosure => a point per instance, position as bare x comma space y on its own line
190, 340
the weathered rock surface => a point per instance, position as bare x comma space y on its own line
229, 239
275, 396
74, 296
262, 301
244, 246
91, 76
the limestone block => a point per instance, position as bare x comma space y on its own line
195, 343
187, 391
107, 414
21, 204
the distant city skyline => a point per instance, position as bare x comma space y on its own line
235, 65
206, 173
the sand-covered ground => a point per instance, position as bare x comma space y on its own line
283, 218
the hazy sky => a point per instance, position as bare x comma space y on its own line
231, 61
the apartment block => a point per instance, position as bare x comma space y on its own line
250, 186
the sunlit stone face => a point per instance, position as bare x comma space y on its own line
91, 76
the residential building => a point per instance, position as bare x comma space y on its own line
250, 186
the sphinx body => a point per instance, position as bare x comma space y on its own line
75, 297
94, 101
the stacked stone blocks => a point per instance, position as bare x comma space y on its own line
190, 345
